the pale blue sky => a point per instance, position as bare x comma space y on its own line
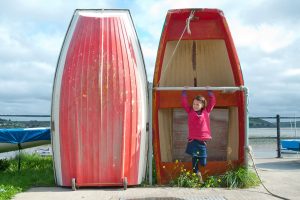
265, 32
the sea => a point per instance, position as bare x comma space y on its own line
262, 140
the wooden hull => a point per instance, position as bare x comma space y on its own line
99, 103
205, 57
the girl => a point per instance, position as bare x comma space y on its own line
199, 128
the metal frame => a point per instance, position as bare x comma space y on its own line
150, 151
225, 89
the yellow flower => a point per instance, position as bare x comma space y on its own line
194, 174
187, 173
176, 161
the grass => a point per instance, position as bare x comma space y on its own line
240, 178
146, 183
35, 171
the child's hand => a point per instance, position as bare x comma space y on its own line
185, 87
209, 91
184, 90
207, 88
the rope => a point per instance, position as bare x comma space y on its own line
188, 20
275, 195
187, 27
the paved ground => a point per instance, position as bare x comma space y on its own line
280, 176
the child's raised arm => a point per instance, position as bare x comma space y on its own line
211, 102
184, 101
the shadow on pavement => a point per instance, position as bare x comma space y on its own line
280, 165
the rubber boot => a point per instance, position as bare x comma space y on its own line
200, 177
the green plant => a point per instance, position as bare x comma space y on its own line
236, 178
4, 164
35, 171
185, 178
154, 180
239, 178
212, 182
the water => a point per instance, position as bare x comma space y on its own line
264, 143
264, 147
272, 132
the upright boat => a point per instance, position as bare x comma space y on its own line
99, 102
196, 50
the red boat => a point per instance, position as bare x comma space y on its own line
99, 102
196, 50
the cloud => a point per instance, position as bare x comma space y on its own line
275, 11
11, 45
292, 73
265, 34
31, 35
266, 37
273, 82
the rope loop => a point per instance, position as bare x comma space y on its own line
188, 20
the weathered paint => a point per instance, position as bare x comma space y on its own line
99, 111
208, 25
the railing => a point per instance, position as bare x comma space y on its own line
24, 115
278, 136
277, 118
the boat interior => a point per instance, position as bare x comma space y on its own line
197, 63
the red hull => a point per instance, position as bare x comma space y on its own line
101, 115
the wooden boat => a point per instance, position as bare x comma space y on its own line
21, 138
99, 102
196, 50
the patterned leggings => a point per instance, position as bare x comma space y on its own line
195, 161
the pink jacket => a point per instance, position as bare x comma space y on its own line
199, 125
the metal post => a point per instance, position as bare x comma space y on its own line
225, 89
246, 148
150, 152
278, 136
19, 157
